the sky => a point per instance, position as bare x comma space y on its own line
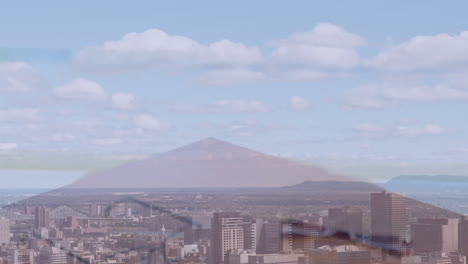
370, 89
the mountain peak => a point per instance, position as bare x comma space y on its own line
209, 162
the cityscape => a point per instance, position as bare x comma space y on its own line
313, 222
234, 132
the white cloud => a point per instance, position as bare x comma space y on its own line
81, 90
325, 46
19, 77
304, 56
428, 129
148, 122
442, 52
124, 101
234, 76
155, 48
298, 103
378, 131
225, 106
8, 146
387, 95
107, 141
20, 115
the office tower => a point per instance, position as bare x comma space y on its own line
344, 254
299, 235
463, 235
252, 230
147, 209
286, 237
4, 231
346, 221
118, 209
430, 235
22, 255
388, 221
270, 238
274, 259
95, 210
227, 234
52, 256
42, 217
198, 227
157, 254
128, 211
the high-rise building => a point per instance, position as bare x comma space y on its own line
388, 221
432, 235
198, 227
42, 217
157, 253
270, 238
227, 234
95, 210
463, 235
5, 232
22, 255
299, 235
347, 221
252, 230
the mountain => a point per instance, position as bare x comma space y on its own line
205, 164
427, 184
334, 186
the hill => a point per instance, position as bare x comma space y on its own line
209, 163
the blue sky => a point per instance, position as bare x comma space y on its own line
370, 89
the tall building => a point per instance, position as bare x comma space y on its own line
432, 235
388, 221
270, 238
252, 230
22, 255
227, 234
42, 217
299, 235
463, 235
95, 210
347, 221
157, 253
4, 231
198, 227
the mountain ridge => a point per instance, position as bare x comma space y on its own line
206, 163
